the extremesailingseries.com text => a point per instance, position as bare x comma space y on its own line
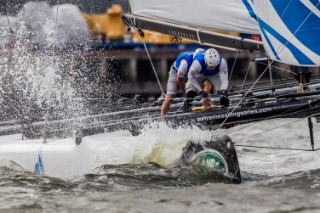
234, 114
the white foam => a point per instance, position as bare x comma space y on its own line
161, 144
62, 158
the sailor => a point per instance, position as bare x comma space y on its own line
208, 71
177, 77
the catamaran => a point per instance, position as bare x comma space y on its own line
288, 31
289, 34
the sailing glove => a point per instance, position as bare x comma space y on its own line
222, 92
187, 104
224, 101
204, 94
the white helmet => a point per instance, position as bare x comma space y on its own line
197, 51
212, 58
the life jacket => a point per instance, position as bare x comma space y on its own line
200, 57
188, 56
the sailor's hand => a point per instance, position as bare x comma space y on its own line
222, 92
224, 101
204, 94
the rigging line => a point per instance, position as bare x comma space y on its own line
283, 83
154, 70
198, 36
250, 125
271, 117
151, 116
10, 57
233, 69
289, 71
268, 130
283, 148
57, 14
270, 74
5, 10
244, 96
245, 78
56, 21
316, 77
234, 63
286, 9
178, 40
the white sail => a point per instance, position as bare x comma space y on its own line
290, 30
226, 15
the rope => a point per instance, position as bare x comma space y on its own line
56, 21
177, 40
232, 71
277, 148
5, 10
244, 96
286, 70
270, 74
57, 14
268, 130
154, 70
245, 78
271, 117
10, 58
198, 36
242, 43
234, 63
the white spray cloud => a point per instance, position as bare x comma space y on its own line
71, 25
37, 19
41, 76
37, 23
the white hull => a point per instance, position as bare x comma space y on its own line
58, 155
63, 158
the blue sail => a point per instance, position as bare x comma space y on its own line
290, 30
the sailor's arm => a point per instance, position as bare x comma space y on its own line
224, 75
193, 71
181, 75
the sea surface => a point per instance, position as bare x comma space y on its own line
118, 172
